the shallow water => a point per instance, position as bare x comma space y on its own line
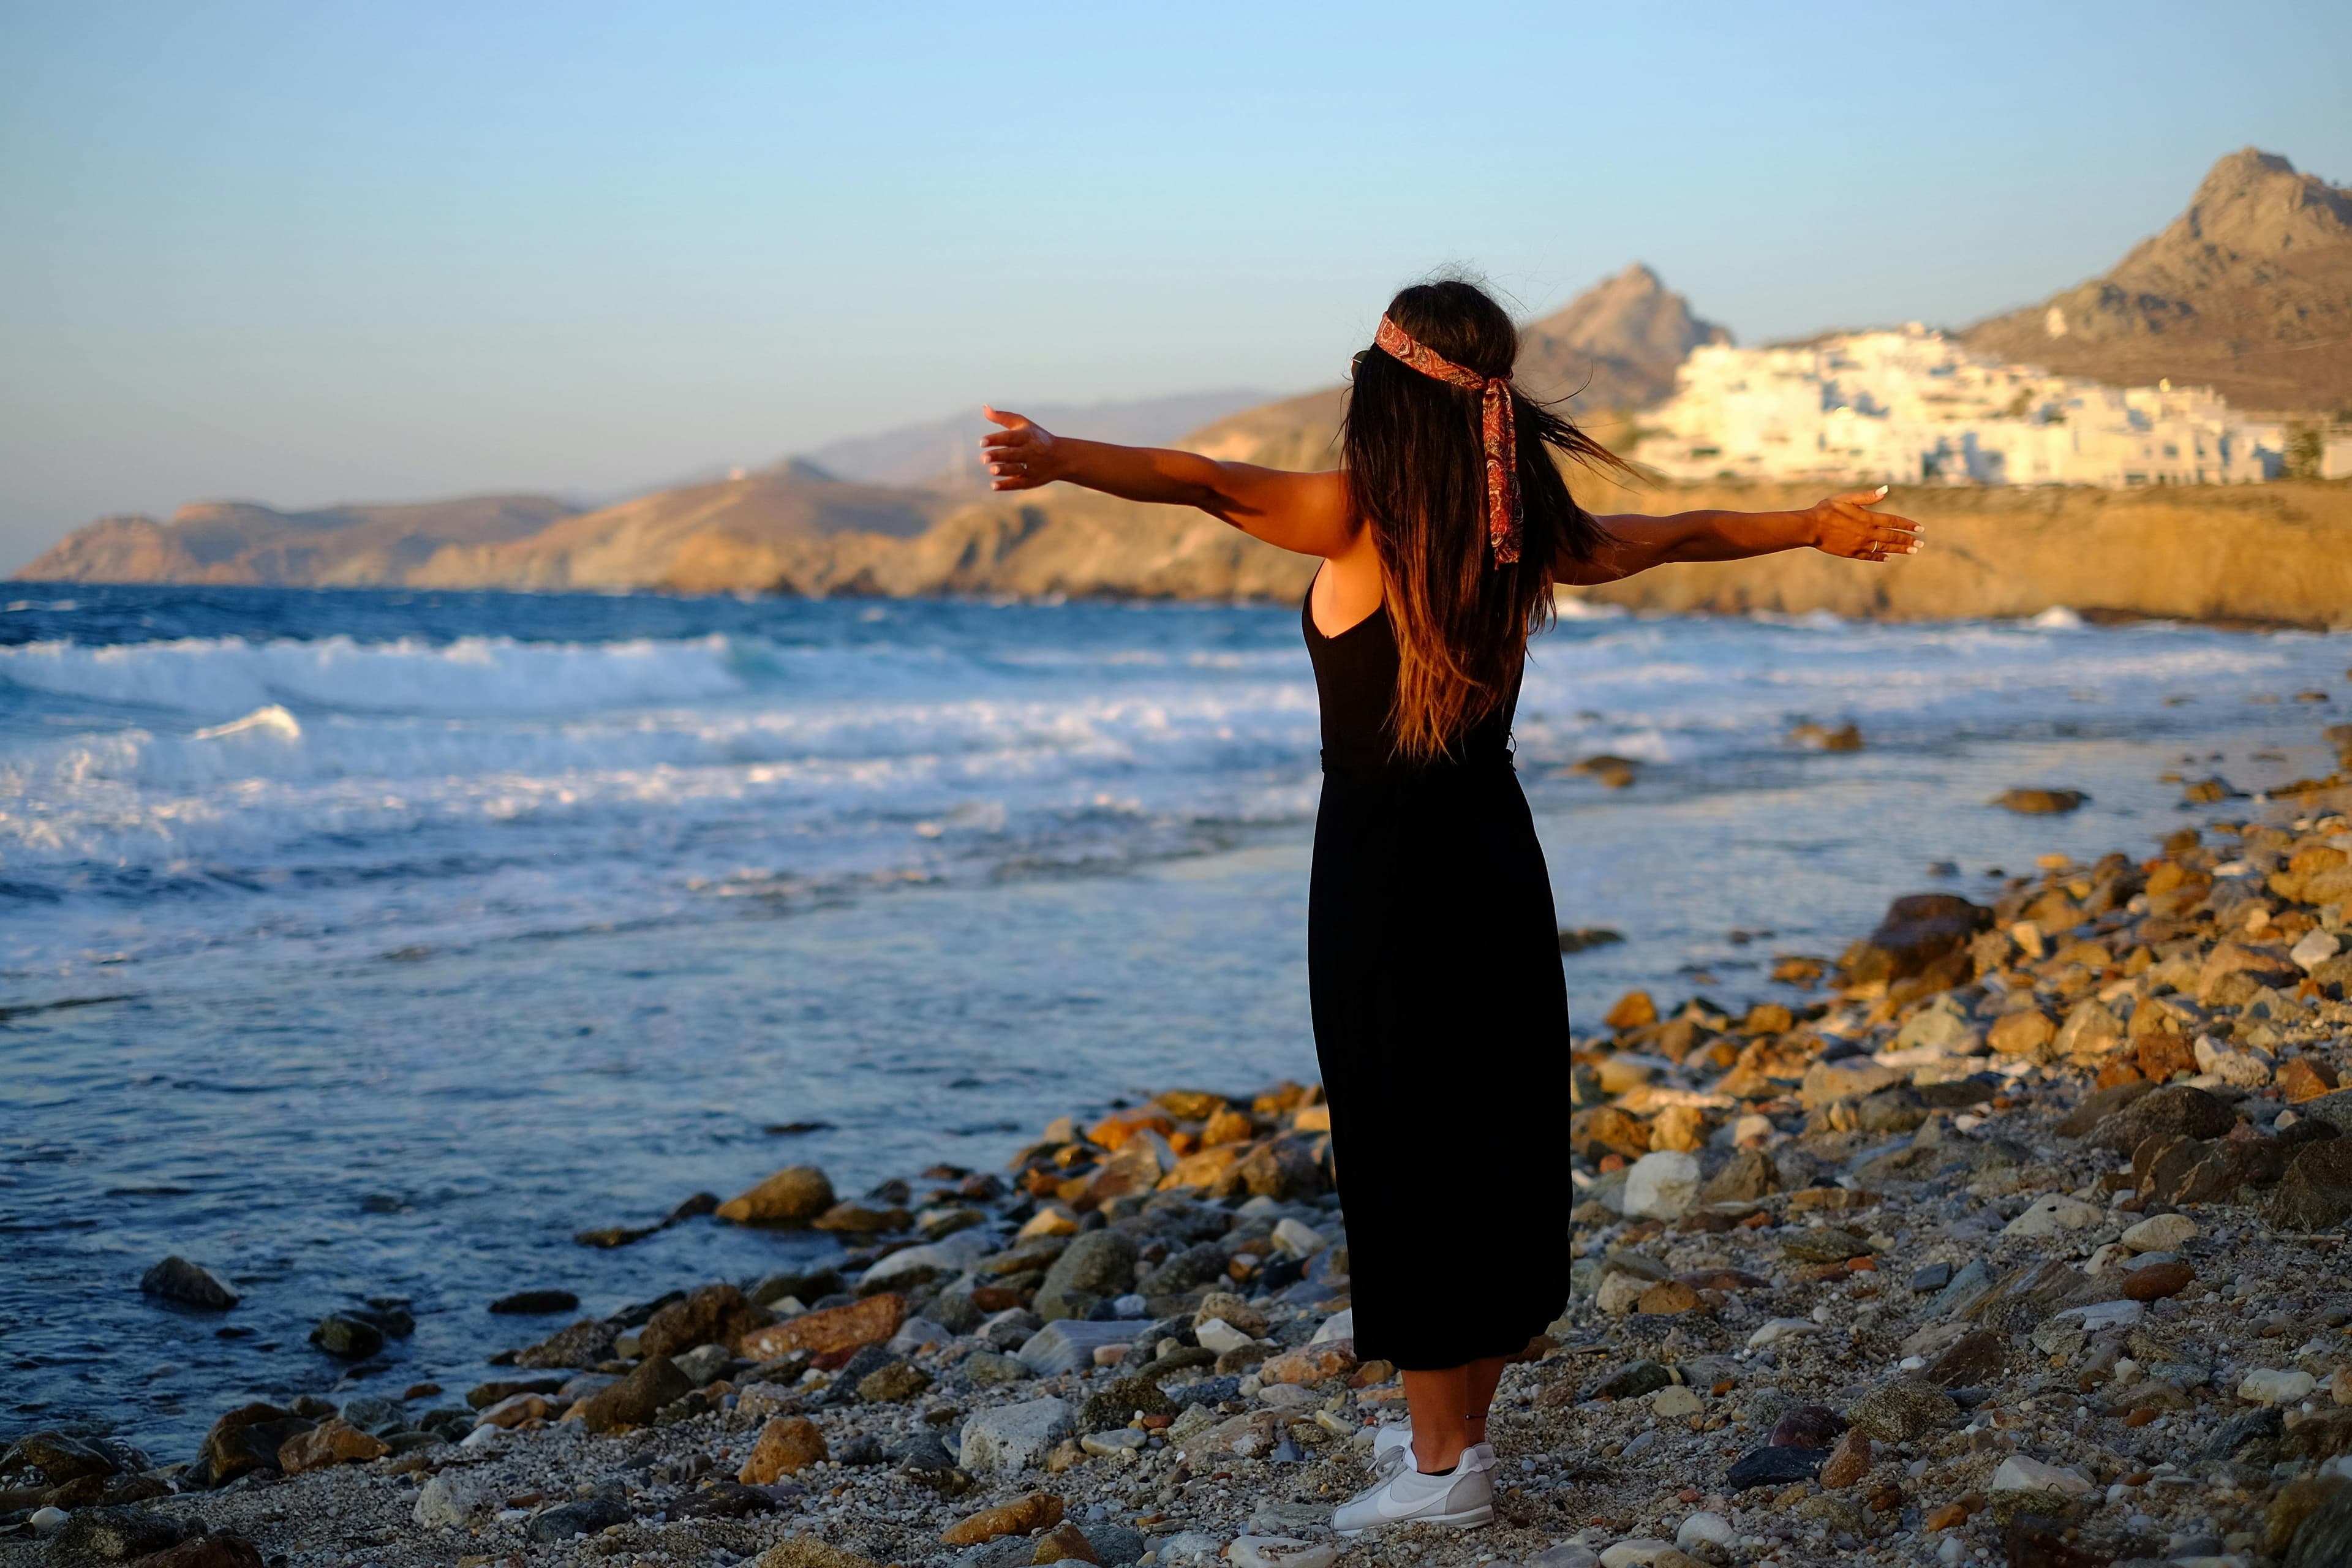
436, 927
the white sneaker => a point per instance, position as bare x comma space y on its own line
1389, 1443
1461, 1498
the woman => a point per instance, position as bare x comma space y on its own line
1441, 1014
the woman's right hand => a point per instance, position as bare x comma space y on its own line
1022, 455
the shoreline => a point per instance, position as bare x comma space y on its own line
1917, 1116
2278, 553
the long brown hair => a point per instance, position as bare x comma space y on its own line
1416, 472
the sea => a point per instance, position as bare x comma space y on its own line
367, 944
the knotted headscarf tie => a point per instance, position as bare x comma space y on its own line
1499, 429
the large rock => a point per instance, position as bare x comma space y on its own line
333, 1442
246, 1439
1918, 929
793, 1196
190, 1284
830, 1330
2177, 1109
1662, 1185
636, 1398
2259, 965
787, 1445
2315, 1192
220, 1549
56, 1457
1011, 1438
347, 1337
715, 1314
2325, 1538
114, 1535
1851, 1078
1098, 1263
583, 1343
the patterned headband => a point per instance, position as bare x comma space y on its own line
1501, 436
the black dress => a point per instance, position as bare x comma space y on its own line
1441, 1024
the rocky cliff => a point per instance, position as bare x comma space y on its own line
2249, 290
2259, 554
240, 541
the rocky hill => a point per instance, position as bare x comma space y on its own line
2249, 291
792, 528
1613, 349
240, 541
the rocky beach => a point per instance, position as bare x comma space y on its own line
2023, 1242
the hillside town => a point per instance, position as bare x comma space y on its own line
1912, 407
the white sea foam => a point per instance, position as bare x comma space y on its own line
488, 782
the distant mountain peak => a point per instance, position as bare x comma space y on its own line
2249, 290
1616, 345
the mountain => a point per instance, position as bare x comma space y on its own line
2249, 291
1614, 346
1613, 349
242, 542
946, 452
791, 528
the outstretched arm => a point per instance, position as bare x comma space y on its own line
1841, 525
1304, 512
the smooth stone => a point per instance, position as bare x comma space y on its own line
529, 1303
190, 1284
1639, 1552
954, 1254
1120, 1440
1805, 1426
1662, 1184
347, 1337
2054, 1215
1280, 1552
1930, 1277
2269, 1386
2162, 1233
2022, 1472
1706, 1527
1777, 1328
1218, 1335
1068, 1344
1774, 1467
584, 1516
451, 1499
1675, 1402
1008, 1438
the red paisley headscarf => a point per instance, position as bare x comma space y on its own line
1500, 430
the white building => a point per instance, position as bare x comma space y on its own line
1912, 407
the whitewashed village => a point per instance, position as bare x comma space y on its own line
1912, 407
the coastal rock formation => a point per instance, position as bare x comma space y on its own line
240, 541
2249, 291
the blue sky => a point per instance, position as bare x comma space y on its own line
303, 253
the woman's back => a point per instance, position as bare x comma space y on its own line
1356, 677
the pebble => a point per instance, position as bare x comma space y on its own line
2160, 1233
2269, 1386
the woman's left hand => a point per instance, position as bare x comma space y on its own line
1845, 525
1022, 455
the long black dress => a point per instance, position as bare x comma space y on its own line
1441, 1024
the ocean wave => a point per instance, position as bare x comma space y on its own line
216, 678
